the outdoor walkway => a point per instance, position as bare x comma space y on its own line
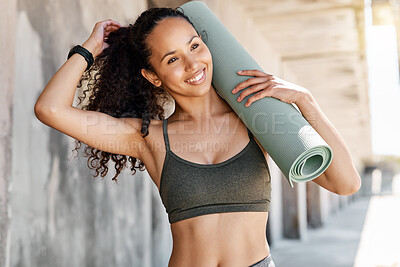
366, 233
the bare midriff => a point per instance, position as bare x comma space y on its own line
232, 239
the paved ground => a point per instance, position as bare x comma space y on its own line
366, 233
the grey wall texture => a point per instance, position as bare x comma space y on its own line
59, 215
7, 52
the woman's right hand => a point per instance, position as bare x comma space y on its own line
95, 43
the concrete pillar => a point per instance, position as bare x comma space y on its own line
335, 202
344, 200
302, 210
366, 185
294, 211
275, 220
325, 205
7, 73
313, 205
387, 180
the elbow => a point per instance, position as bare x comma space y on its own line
352, 188
39, 111
43, 112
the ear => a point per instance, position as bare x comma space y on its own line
151, 77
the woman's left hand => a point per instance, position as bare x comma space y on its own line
268, 85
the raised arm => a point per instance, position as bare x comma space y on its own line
54, 107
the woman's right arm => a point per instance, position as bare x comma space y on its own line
54, 107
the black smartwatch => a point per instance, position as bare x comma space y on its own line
84, 52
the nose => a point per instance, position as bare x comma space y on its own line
191, 63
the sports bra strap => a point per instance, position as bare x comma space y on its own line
165, 132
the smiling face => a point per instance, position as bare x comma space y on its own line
181, 60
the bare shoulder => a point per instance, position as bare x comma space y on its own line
152, 140
152, 149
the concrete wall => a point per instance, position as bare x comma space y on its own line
7, 54
61, 216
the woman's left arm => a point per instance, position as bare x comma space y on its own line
341, 177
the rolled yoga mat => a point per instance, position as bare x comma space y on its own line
296, 148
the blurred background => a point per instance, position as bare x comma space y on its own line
346, 52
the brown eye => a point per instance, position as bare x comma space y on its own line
169, 61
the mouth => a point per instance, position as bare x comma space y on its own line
198, 79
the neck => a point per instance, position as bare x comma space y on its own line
197, 109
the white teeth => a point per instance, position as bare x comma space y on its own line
198, 77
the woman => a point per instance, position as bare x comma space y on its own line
217, 199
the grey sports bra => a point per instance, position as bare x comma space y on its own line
241, 183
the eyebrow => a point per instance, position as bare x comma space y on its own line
172, 52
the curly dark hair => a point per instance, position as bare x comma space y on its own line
118, 88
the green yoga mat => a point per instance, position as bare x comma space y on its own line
296, 148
